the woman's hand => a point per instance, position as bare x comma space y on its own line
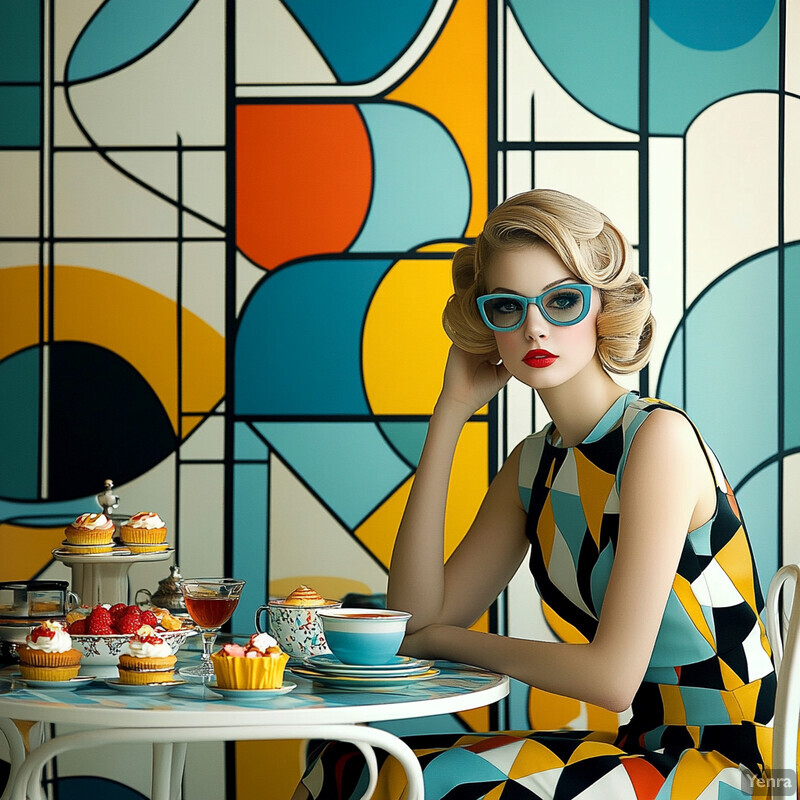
471, 381
418, 644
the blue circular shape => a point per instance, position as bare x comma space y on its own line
712, 24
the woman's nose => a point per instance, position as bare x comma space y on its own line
535, 325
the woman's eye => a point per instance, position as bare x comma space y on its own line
564, 300
506, 306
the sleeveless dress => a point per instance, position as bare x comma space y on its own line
700, 725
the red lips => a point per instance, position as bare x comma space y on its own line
539, 358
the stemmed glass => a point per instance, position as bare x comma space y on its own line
210, 603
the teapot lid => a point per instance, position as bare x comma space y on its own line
171, 584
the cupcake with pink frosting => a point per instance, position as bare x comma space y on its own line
257, 665
144, 532
90, 529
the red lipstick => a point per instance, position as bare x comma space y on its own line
539, 358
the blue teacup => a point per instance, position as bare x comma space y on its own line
364, 635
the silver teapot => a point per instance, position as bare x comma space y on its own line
168, 595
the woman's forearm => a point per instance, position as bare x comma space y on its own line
416, 576
586, 672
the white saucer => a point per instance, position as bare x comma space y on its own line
142, 688
64, 686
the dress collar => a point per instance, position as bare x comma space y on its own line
605, 424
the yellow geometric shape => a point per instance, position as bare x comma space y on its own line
280, 759
140, 326
533, 757
595, 486
591, 749
735, 560
451, 84
404, 346
674, 709
565, 631
683, 591
548, 711
19, 309
697, 769
26, 551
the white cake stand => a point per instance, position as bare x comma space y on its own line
103, 577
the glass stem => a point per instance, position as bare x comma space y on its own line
209, 637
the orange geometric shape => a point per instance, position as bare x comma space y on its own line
645, 778
303, 180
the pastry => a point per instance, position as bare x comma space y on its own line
149, 659
144, 527
258, 665
48, 655
304, 596
90, 529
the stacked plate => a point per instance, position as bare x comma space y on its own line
400, 671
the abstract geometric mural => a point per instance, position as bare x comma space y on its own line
225, 244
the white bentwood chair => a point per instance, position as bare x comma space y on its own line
783, 631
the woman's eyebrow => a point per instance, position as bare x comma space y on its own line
503, 290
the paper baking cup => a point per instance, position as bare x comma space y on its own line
79, 536
249, 673
131, 535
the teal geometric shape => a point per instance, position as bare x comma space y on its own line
19, 425
591, 49
712, 24
700, 539
791, 349
569, 517
298, 347
758, 500
407, 437
704, 706
19, 116
684, 81
248, 445
20, 41
250, 540
600, 575
421, 188
674, 644
348, 465
361, 38
724, 363
120, 32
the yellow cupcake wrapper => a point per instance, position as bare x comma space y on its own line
249, 673
143, 535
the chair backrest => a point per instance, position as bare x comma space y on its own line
783, 631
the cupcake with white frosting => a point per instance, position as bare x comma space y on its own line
149, 659
144, 532
48, 655
90, 529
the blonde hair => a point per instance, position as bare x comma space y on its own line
592, 249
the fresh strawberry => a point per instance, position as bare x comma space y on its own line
149, 618
99, 621
128, 623
117, 610
78, 627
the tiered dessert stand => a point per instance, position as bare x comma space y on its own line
103, 577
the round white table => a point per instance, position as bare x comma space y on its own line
170, 721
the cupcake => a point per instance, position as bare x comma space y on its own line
257, 665
90, 529
144, 528
149, 659
48, 655
304, 596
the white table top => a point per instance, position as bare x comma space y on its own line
456, 688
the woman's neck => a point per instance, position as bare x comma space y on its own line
578, 405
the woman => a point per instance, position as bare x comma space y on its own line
633, 535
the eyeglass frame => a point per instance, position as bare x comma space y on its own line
584, 288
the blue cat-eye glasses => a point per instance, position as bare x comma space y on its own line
566, 304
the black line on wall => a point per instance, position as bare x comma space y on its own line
42, 287
644, 161
781, 267
230, 329
179, 340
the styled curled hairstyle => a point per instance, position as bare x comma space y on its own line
592, 249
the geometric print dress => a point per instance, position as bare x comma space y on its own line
700, 724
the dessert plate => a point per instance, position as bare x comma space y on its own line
250, 694
142, 688
65, 686
399, 666
354, 682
